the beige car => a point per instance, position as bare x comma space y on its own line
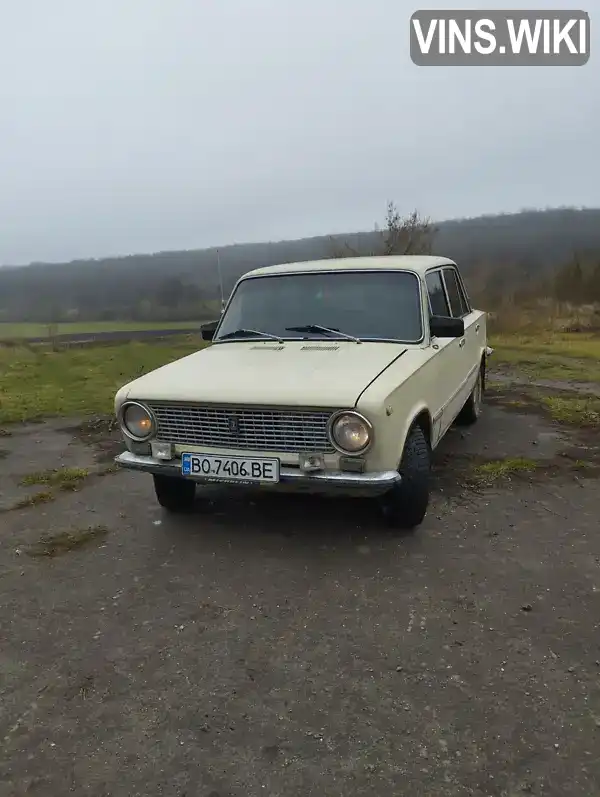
338, 375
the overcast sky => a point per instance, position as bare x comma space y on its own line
142, 125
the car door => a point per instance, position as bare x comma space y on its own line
460, 307
449, 365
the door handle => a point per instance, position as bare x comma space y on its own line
462, 342
476, 327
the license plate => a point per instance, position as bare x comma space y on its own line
230, 469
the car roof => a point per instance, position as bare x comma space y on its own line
417, 263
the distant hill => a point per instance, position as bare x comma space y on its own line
184, 284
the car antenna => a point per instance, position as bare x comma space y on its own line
220, 281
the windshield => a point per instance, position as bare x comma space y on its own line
375, 305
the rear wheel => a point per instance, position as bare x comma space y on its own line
174, 494
405, 505
472, 410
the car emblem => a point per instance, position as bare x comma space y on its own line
234, 424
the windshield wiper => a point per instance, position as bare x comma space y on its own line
319, 328
244, 333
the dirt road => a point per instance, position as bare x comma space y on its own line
294, 646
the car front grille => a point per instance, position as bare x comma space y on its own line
243, 428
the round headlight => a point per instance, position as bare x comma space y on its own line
137, 421
351, 433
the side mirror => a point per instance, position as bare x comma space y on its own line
208, 330
442, 326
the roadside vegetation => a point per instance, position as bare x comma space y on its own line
38, 382
576, 411
559, 356
22, 331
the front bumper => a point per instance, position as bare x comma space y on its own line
373, 483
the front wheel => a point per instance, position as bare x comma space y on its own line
405, 505
174, 494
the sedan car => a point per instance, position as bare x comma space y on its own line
338, 376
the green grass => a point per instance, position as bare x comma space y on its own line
502, 469
21, 331
64, 478
563, 356
36, 382
578, 411
43, 497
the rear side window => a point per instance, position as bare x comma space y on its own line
437, 297
458, 303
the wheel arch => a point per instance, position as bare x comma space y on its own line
421, 417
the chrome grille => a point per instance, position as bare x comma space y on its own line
243, 428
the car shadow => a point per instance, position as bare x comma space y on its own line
498, 434
291, 514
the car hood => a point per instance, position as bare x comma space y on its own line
298, 373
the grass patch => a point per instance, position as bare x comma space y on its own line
36, 382
566, 344
63, 478
51, 545
584, 466
22, 331
43, 497
580, 411
502, 469
564, 356
575, 409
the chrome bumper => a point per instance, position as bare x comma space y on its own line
375, 482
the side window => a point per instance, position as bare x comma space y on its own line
458, 303
437, 296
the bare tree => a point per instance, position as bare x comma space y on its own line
408, 235
402, 235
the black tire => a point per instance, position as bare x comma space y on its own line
174, 494
471, 411
405, 505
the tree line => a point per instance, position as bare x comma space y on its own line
517, 255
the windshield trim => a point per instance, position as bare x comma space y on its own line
245, 278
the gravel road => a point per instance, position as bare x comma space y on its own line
295, 646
